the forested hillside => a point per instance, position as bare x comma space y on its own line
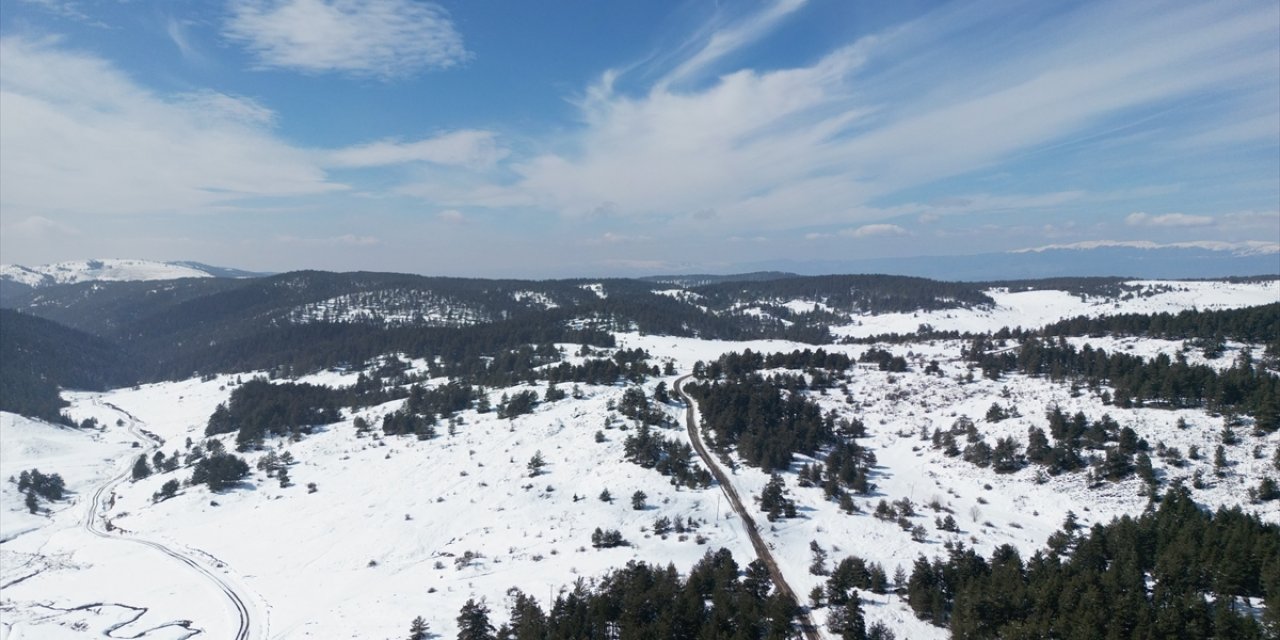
39, 356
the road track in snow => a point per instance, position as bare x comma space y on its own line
94, 524
807, 627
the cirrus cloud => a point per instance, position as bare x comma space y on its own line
374, 38
470, 148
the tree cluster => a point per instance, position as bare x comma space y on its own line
1176, 571
259, 408
766, 424
219, 471
671, 457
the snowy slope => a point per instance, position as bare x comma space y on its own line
52, 566
107, 269
379, 539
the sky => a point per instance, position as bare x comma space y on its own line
579, 137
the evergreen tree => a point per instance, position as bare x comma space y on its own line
846, 619
418, 629
536, 463
638, 500
140, 468
473, 621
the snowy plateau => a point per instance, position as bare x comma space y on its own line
374, 529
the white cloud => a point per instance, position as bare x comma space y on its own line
816, 144
1140, 219
871, 230
77, 135
372, 38
214, 107
468, 148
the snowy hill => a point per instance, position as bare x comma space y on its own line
106, 270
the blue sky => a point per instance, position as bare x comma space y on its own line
546, 139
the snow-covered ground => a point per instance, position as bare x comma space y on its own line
1033, 309
59, 578
383, 537
379, 541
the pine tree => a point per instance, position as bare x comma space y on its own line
637, 500
473, 621
846, 619
536, 463
818, 566
418, 629
140, 468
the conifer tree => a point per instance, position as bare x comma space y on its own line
140, 468
473, 621
418, 629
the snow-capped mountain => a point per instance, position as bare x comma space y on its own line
110, 269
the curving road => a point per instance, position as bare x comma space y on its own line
762, 550
98, 506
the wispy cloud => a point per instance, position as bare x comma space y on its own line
816, 145
730, 38
372, 38
80, 136
469, 148
70, 9
177, 32
1140, 219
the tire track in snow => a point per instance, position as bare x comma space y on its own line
244, 629
807, 627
